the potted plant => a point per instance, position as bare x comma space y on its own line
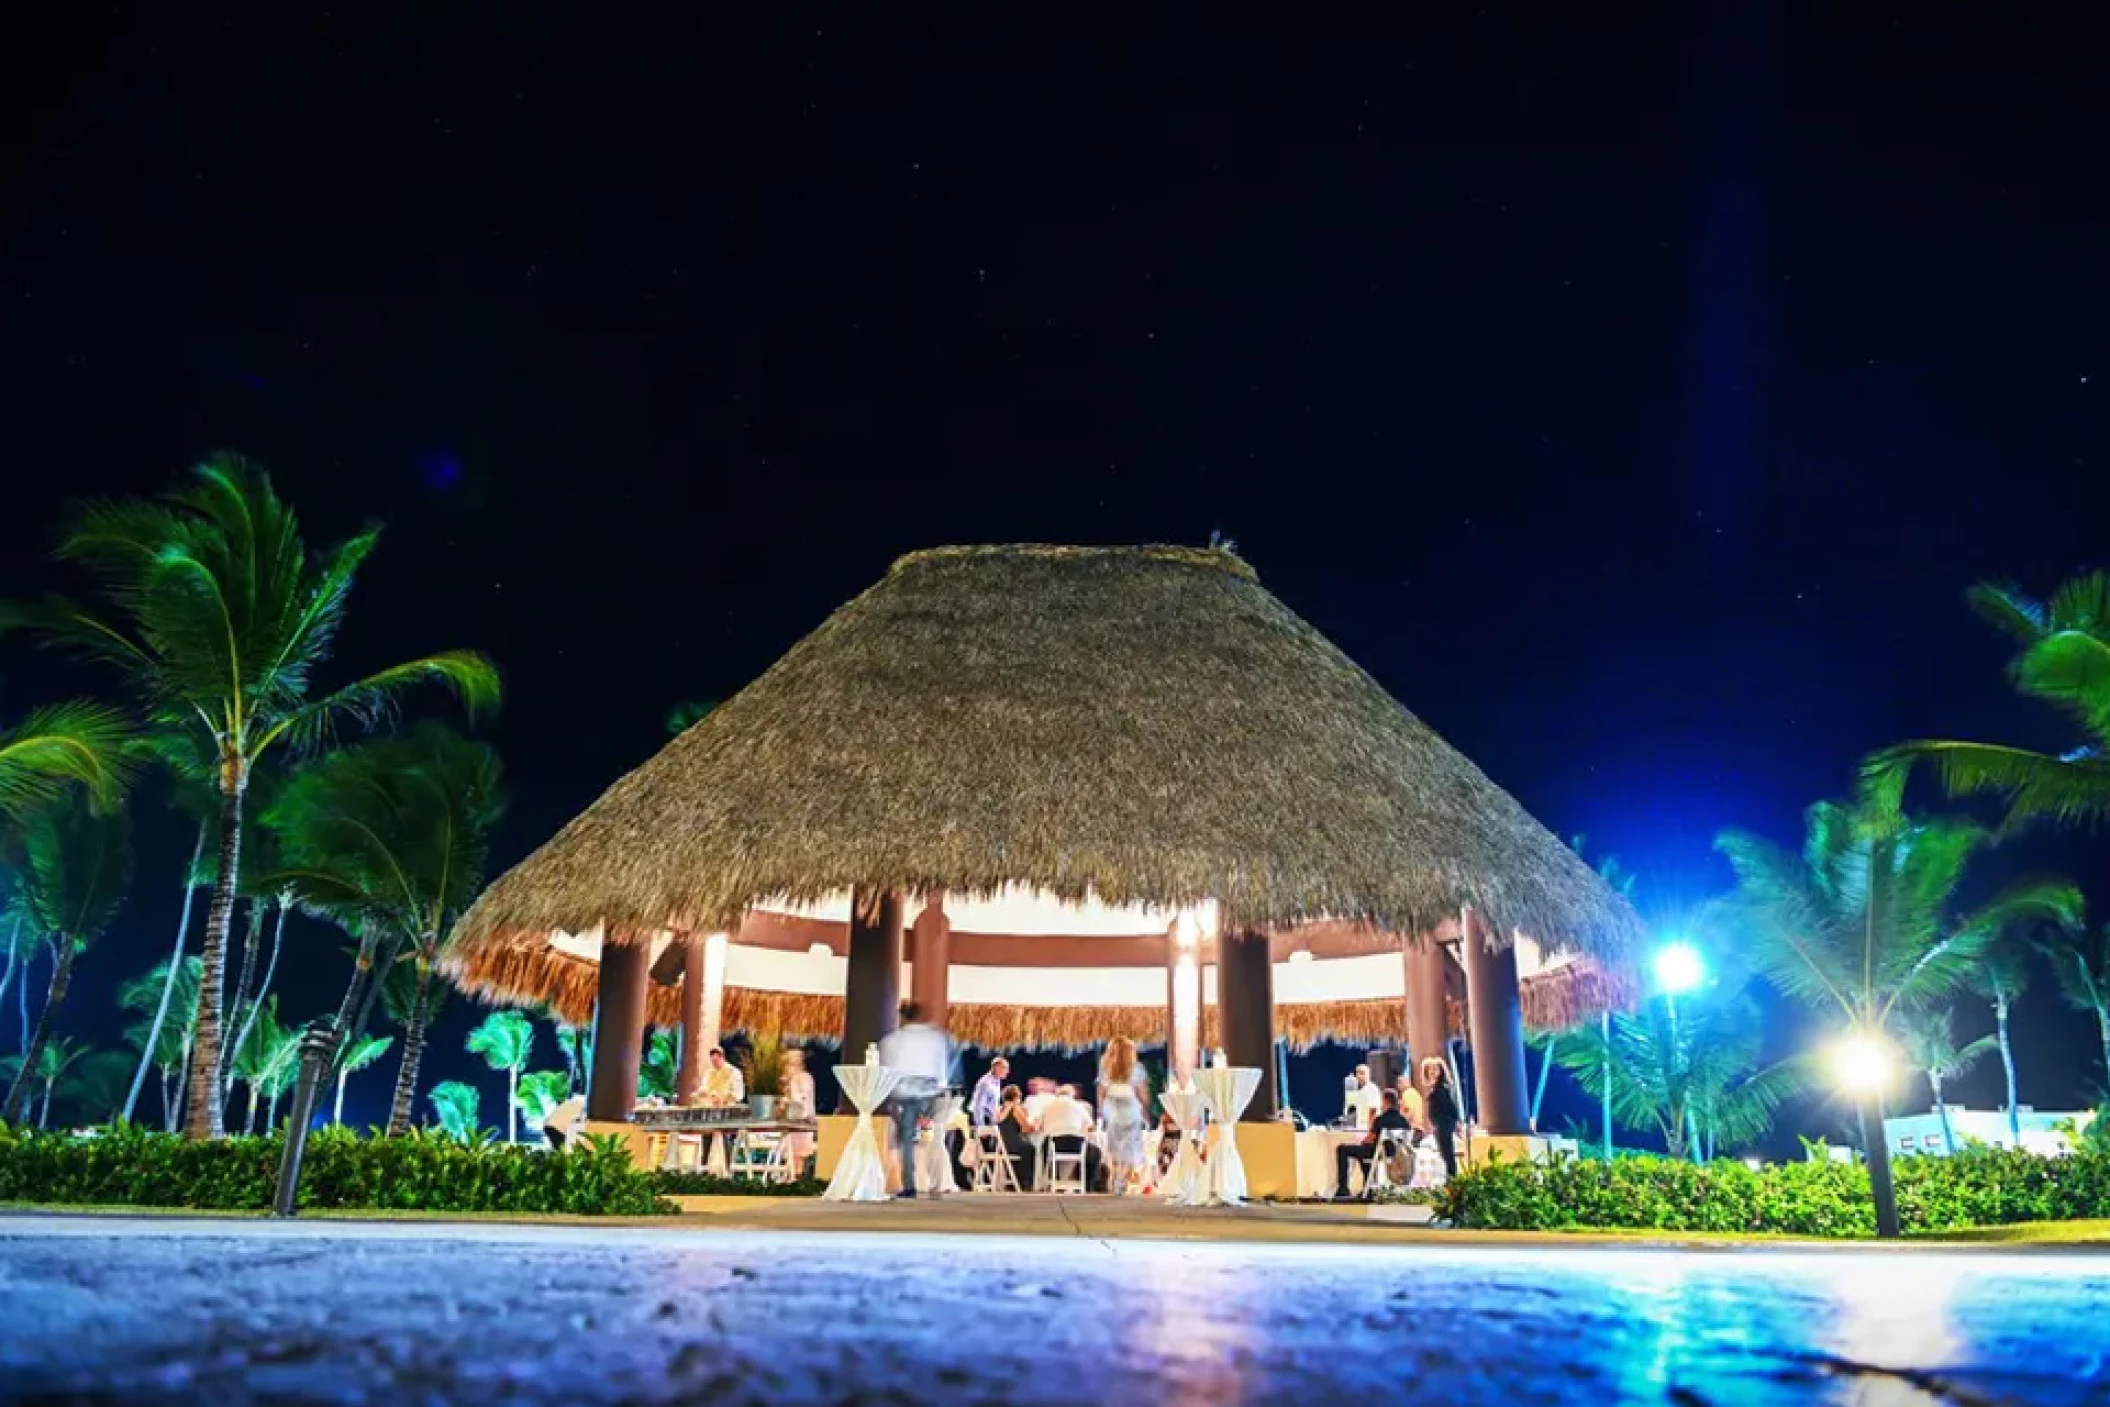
762, 1067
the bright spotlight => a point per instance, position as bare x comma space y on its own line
1862, 1063
1679, 968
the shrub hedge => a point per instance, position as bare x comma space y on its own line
696, 1184
1980, 1186
422, 1171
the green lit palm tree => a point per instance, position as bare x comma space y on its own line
388, 841
77, 862
2002, 978
220, 616
264, 1062
660, 1069
1692, 1078
2062, 658
363, 1052
38, 1074
1861, 922
189, 766
93, 1090
688, 713
1929, 1038
540, 1094
455, 1105
2083, 968
170, 992
413, 997
506, 1041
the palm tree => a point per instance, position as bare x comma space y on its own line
190, 771
570, 1044
688, 713
77, 863
1690, 1076
1930, 1048
363, 1052
2062, 658
93, 1090
264, 1061
77, 743
42, 1069
163, 1044
387, 840
660, 1069
413, 999
2083, 970
455, 1104
18, 945
506, 1041
540, 1094
219, 617
1859, 922
2002, 977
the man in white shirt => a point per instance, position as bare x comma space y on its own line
1067, 1122
923, 1054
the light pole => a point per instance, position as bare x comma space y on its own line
1863, 1062
1679, 969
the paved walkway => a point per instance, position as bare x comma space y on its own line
121, 1309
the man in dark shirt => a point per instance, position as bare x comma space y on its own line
1387, 1119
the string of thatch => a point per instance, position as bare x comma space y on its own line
1144, 724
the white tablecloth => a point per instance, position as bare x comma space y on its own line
860, 1176
1183, 1182
1317, 1167
1227, 1090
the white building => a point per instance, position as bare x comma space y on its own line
2041, 1132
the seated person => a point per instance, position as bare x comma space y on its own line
1067, 1122
1070, 1092
1388, 1120
1039, 1090
1012, 1127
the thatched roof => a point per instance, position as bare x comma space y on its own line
1146, 724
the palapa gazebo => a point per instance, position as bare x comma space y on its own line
1063, 793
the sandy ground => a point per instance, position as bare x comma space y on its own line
136, 1309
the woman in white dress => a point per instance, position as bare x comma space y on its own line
798, 1092
1123, 1101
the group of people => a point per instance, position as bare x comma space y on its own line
1411, 1111
1060, 1116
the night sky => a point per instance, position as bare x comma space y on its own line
1633, 389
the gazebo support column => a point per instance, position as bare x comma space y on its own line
1495, 1021
872, 987
930, 961
702, 1009
619, 1039
1428, 1005
1245, 1007
1183, 999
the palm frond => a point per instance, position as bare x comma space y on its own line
77, 867
78, 743
2069, 669
2035, 785
372, 701
2008, 609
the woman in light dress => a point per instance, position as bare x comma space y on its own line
798, 1093
1124, 1098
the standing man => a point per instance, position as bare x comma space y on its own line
988, 1094
923, 1055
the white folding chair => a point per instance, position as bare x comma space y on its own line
761, 1156
1065, 1172
993, 1170
1377, 1172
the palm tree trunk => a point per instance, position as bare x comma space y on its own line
1538, 1096
2102, 1022
263, 988
1875, 1145
512, 1104
1604, 1026
168, 1103
240, 1010
1941, 1110
253, 1107
14, 944
205, 1118
2007, 1060
29, 964
18, 1094
168, 986
44, 1109
271, 1113
403, 1104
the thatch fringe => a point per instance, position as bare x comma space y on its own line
1143, 725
